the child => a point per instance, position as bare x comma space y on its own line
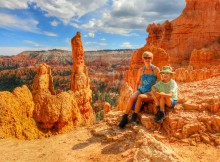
164, 93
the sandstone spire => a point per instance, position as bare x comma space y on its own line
80, 82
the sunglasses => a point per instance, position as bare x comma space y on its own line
165, 73
147, 58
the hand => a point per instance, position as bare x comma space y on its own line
162, 93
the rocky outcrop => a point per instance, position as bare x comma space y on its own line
80, 82
16, 117
196, 116
53, 111
203, 58
188, 74
150, 149
197, 27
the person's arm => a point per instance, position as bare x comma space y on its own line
173, 88
156, 91
165, 94
157, 73
138, 79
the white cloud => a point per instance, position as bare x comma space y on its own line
90, 35
126, 45
67, 10
102, 39
14, 4
110, 16
95, 43
32, 43
103, 44
90, 43
124, 16
13, 22
54, 23
50, 34
7, 51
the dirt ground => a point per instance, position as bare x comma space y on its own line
80, 145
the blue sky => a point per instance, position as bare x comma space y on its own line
104, 24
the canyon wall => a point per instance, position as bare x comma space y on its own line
197, 27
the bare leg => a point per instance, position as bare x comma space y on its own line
155, 97
168, 101
162, 103
142, 98
132, 99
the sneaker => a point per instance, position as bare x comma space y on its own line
124, 121
160, 117
158, 107
134, 119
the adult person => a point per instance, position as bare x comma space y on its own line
147, 75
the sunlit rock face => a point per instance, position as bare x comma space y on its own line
198, 26
80, 82
53, 111
16, 117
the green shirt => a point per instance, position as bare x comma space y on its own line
168, 87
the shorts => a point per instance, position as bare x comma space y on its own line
174, 102
148, 92
133, 106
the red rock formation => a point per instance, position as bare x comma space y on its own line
107, 108
189, 74
53, 111
198, 26
80, 82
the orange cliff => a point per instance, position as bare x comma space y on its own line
42, 113
197, 27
